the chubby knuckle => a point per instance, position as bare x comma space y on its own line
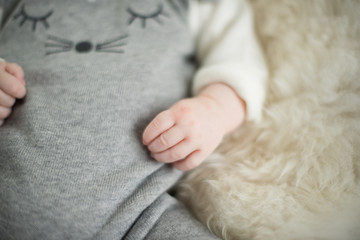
11, 64
163, 140
180, 103
14, 66
193, 134
192, 125
186, 166
156, 124
7, 102
11, 101
17, 90
176, 155
190, 164
4, 112
17, 66
11, 67
182, 108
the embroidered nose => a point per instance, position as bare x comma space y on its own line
83, 47
56, 45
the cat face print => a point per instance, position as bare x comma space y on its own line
88, 27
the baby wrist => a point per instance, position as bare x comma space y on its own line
231, 106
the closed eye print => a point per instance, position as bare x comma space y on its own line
144, 17
34, 20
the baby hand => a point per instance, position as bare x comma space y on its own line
12, 86
187, 133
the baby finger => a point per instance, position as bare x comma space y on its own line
167, 140
4, 112
16, 71
162, 122
6, 100
192, 161
11, 86
176, 153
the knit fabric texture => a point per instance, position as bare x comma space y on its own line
72, 165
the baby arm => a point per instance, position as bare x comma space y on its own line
188, 132
228, 51
12, 87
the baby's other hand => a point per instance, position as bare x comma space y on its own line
187, 133
12, 87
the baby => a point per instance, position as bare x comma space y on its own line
97, 73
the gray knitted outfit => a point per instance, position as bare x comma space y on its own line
72, 165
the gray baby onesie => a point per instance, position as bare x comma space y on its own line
72, 165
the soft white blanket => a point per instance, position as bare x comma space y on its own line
296, 175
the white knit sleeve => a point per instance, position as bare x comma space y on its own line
228, 50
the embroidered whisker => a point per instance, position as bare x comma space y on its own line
56, 45
65, 42
109, 42
111, 45
98, 46
53, 42
109, 51
58, 51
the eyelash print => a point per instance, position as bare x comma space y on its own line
143, 17
26, 17
179, 7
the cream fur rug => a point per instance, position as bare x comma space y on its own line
296, 175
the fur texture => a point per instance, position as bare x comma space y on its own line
296, 175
